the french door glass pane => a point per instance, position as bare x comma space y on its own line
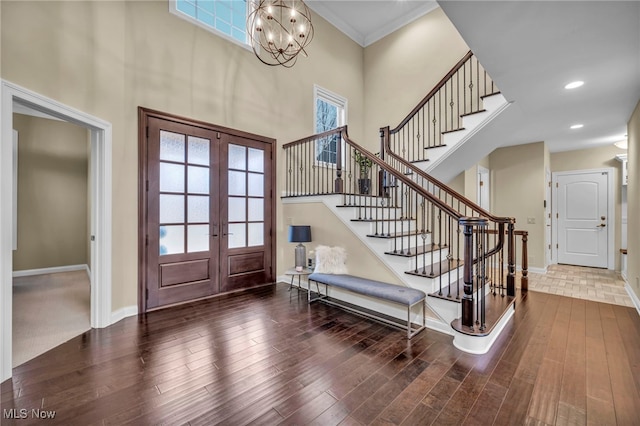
237, 235
198, 151
171, 146
198, 180
256, 234
237, 157
237, 209
256, 160
237, 183
171, 208
256, 209
198, 208
256, 185
197, 238
171, 177
171, 239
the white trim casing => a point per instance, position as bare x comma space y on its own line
101, 148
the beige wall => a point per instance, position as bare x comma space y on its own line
633, 202
52, 193
108, 58
518, 191
458, 183
327, 229
596, 158
400, 69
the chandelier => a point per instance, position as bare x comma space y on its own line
279, 30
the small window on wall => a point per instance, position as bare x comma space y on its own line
330, 113
227, 18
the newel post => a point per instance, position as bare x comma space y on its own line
382, 176
524, 281
469, 223
511, 250
339, 185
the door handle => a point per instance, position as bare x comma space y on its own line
224, 230
215, 230
602, 225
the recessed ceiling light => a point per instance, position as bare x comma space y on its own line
574, 84
577, 126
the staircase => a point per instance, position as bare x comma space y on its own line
429, 236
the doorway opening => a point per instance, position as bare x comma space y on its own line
100, 207
51, 256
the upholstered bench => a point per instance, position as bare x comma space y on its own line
405, 296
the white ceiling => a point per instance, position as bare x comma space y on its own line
532, 49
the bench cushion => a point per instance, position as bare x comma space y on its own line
381, 290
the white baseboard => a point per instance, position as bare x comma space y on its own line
122, 313
538, 270
633, 296
51, 270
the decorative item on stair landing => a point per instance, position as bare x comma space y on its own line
364, 165
279, 30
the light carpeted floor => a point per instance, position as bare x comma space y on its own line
48, 310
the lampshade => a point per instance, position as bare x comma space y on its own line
299, 233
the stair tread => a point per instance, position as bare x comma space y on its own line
495, 307
455, 296
490, 94
438, 269
383, 220
431, 147
366, 207
395, 234
452, 131
415, 251
473, 112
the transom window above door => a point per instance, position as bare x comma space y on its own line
226, 18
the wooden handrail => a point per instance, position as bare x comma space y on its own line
433, 91
459, 197
410, 183
336, 131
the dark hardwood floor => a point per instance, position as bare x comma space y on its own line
265, 357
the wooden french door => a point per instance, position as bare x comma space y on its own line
206, 211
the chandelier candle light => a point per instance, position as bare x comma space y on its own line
279, 30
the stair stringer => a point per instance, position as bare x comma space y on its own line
439, 315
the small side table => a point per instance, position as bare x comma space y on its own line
305, 272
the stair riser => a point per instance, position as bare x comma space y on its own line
409, 263
449, 309
375, 213
392, 227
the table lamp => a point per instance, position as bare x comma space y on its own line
300, 234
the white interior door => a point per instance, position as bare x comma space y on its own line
583, 218
547, 219
484, 188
